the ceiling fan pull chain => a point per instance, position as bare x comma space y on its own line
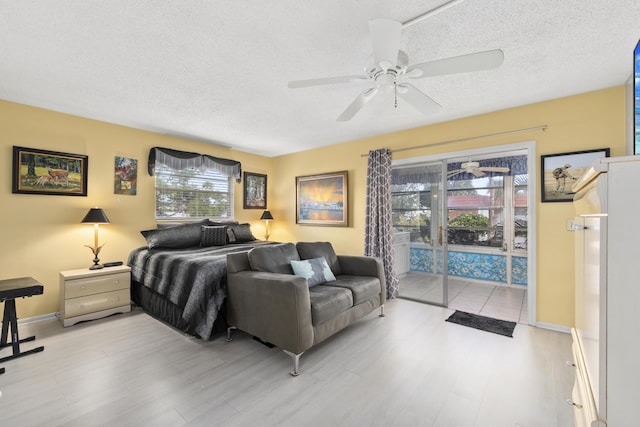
395, 93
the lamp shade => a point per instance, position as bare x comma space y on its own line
95, 216
266, 215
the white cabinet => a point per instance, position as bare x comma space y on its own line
91, 294
401, 249
606, 343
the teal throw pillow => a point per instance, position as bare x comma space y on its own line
315, 270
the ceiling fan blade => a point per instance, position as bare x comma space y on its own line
477, 173
325, 81
385, 38
357, 104
419, 100
458, 64
494, 169
454, 172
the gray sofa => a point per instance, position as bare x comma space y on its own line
267, 300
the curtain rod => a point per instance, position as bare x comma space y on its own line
508, 132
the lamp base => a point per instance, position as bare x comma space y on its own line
96, 263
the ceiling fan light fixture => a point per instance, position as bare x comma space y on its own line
388, 68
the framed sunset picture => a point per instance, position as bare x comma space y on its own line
322, 199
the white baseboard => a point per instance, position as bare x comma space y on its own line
35, 319
552, 327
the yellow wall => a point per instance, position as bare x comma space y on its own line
41, 235
587, 121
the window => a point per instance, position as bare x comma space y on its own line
488, 211
192, 193
411, 210
475, 209
192, 185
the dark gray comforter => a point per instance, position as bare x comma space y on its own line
194, 279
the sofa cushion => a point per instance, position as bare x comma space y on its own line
180, 236
273, 258
213, 235
327, 302
315, 270
309, 250
363, 288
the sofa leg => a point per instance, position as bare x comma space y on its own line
296, 363
230, 330
382, 310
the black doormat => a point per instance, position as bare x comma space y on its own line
489, 324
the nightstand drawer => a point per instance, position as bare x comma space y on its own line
93, 285
97, 302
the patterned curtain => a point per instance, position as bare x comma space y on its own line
378, 225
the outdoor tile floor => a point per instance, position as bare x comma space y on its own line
486, 299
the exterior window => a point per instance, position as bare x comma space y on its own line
488, 212
483, 212
411, 210
193, 194
476, 212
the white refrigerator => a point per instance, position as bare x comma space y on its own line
606, 336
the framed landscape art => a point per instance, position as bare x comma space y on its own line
322, 199
561, 171
49, 172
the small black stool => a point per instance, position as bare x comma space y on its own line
11, 289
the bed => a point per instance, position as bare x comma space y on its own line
181, 280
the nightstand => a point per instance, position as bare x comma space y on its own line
92, 294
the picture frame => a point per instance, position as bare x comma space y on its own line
323, 199
125, 176
47, 172
561, 171
254, 194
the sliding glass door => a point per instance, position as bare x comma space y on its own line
419, 216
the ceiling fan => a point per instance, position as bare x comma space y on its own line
476, 170
388, 69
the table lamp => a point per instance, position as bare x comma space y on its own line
266, 217
95, 216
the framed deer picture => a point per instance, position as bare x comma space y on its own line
49, 172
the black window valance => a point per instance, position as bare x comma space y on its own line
176, 159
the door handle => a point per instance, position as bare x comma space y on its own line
440, 236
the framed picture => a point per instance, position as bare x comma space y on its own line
322, 199
254, 191
49, 172
125, 179
561, 171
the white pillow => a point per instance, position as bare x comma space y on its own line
315, 270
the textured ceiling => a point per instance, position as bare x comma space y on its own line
218, 71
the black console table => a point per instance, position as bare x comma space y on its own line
11, 289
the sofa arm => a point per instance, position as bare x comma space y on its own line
364, 266
274, 307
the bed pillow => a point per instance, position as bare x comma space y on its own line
240, 233
315, 270
213, 235
273, 258
180, 236
309, 250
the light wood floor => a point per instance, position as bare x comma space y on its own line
410, 368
